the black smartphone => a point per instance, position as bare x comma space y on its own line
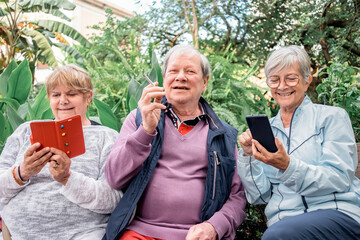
260, 129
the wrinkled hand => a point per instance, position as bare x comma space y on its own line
34, 161
59, 166
202, 231
150, 110
279, 159
245, 142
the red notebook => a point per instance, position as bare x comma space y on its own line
66, 135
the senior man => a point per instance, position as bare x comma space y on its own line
176, 160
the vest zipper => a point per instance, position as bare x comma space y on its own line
217, 162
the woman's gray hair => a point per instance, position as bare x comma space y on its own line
205, 65
285, 57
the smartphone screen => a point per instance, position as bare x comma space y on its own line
260, 129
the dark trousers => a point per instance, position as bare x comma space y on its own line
317, 225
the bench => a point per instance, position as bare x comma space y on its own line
357, 173
6, 234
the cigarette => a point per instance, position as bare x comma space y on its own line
148, 79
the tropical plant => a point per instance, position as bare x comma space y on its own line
15, 86
24, 36
341, 87
115, 64
129, 99
231, 93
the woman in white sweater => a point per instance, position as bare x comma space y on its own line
47, 195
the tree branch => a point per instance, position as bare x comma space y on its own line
351, 49
195, 27
323, 42
228, 33
187, 16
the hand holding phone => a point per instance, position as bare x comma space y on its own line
260, 129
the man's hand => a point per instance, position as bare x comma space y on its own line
202, 231
150, 110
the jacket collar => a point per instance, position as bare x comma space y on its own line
276, 121
215, 123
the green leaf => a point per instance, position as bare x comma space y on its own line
63, 28
47, 4
48, 114
40, 105
106, 116
71, 51
114, 108
12, 102
57, 13
132, 103
134, 92
23, 110
44, 45
5, 76
4, 131
14, 118
3, 12
155, 74
31, 113
19, 83
123, 59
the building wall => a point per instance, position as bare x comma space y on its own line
91, 12
87, 13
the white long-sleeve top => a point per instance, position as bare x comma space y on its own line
45, 209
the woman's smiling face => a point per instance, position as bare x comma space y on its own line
286, 96
66, 102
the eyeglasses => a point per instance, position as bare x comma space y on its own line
274, 82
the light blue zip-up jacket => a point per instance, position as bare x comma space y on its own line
320, 175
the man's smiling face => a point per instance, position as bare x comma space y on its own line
183, 79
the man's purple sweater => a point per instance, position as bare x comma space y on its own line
172, 200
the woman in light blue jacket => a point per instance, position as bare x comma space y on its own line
308, 184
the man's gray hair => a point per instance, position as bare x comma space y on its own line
285, 57
205, 65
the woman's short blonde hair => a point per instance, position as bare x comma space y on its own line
71, 76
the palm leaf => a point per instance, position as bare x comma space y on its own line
63, 28
3, 12
44, 45
57, 13
71, 51
47, 4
